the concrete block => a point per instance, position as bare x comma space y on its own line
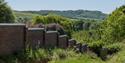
72, 43
63, 41
51, 39
35, 37
78, 47
84, 48
12, 38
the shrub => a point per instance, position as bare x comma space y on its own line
113, 48
113, 29
6, 14
96, 46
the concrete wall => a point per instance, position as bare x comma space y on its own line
51, 38
63, 41
12, 38
16, 37
35, 37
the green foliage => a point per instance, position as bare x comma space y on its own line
115, 47
96, 44
81, 36
65, 22
52, 19
6, 14
113, 29
73, 57
117, 58
109, 34
47, 19
86, 36
36, 54
24, 17
59, 54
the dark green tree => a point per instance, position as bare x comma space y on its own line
113, 29
6, 14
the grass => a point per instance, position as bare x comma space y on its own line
87, 58
90, 57
61, 56
117, 58
78, 58
53, 56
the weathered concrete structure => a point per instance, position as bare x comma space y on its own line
16, 37
51, 39
63, 41
12, 38
71, 43
35, 37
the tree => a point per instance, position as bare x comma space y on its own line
113, 29
6, 14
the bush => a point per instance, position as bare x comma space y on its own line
96, 46
66, 23
6, 14
113, 29
113, 48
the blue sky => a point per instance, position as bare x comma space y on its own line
105, 6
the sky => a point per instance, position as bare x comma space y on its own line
106, 6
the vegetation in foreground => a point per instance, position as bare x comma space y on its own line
61, 56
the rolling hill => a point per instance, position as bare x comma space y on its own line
74, 14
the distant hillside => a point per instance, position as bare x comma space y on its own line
75, 14
21, 16
27, 15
